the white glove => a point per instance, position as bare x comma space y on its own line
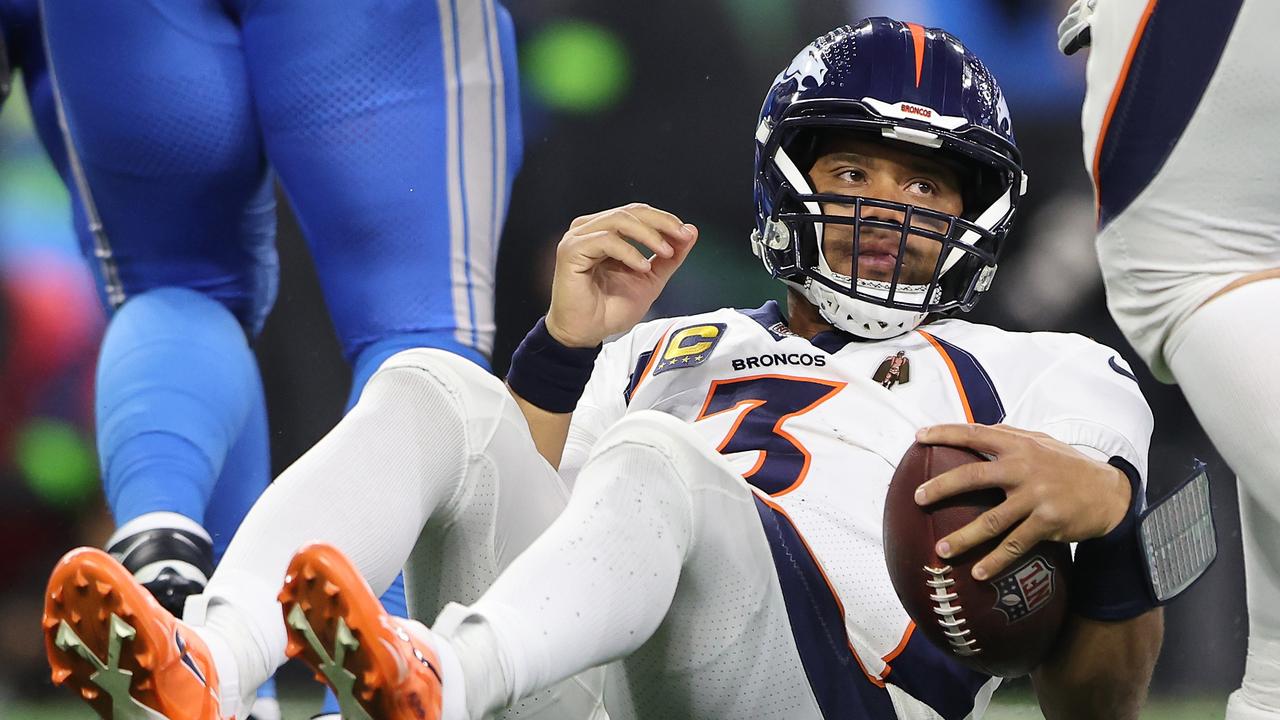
1073, 31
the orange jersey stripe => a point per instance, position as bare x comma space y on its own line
653, 359
955, 376
902, 645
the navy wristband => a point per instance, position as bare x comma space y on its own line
548, 374
1109, 578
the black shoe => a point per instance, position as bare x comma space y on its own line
171, 564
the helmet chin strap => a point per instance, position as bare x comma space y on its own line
862, 318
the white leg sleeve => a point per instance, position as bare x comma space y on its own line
401, 458
659, 558
598, 582
1259, 693
1223, 357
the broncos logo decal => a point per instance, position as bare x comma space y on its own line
808, 65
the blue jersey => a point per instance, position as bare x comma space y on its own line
392, 127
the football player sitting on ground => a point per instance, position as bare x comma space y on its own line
720, 554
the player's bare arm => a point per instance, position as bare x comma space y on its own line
1053, 492
1100, 669
603, 285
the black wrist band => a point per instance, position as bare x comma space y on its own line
1109, 579
548, 374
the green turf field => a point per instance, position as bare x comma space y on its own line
1014, 706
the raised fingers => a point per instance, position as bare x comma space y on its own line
661, 220
601, 244
631, 228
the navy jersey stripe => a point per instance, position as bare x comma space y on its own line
817, 624
641, 363
930, 676
841, 687
984, 401
767, 315
1170, 69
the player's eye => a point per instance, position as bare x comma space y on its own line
851, 175
922, 187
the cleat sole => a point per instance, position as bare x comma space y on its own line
338, 627
97, 648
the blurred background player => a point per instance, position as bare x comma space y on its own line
393, 129
1179, 137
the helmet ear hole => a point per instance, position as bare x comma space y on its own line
807, 244
803, 147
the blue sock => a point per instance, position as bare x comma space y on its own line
176, 384
245, 474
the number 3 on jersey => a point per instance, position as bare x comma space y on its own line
765, 403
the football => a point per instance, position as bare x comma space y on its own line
1001, 626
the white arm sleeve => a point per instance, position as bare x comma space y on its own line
604, 400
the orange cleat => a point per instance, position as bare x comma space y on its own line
378, 665
110, 642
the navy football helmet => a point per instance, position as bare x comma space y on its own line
903, 83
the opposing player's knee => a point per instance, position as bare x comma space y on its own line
180, 306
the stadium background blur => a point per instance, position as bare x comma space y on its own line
621, 103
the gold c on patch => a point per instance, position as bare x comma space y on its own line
689, 347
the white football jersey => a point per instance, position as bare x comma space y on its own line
817, 427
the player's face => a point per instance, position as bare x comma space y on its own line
853, 165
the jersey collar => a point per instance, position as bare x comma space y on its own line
769, 316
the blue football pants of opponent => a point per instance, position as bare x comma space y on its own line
393, 128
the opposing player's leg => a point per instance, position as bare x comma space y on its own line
177, 388
396, 135
175, 213
1189, 234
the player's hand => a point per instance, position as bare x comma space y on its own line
603, 284
1075, 31
1052, 492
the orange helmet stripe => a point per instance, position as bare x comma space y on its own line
917, 34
